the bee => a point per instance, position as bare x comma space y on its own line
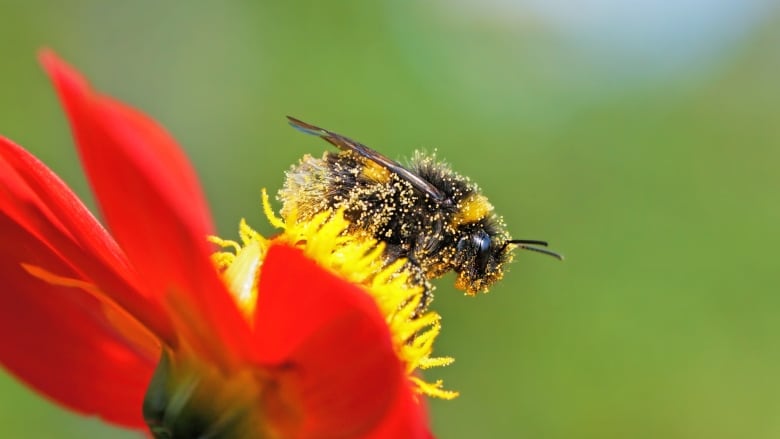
434, 217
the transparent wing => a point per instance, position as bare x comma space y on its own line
347, 144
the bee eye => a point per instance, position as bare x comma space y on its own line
476, 246
481, 241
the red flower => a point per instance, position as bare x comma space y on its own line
89, 316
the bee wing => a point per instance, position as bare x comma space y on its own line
347, 144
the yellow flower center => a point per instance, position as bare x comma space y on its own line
356, 259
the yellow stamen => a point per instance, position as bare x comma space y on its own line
241, 270
358, 259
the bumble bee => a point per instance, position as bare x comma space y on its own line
434, 217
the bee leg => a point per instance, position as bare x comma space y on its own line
425, 299
418, 279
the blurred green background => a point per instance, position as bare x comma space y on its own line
641, 138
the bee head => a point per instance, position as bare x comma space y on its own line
480, 258
482, 255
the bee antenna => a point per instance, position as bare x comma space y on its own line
528, 244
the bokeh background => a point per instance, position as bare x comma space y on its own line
641, 138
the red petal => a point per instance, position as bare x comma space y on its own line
155, 209
42, 204
331, 335
406, 419
60, 340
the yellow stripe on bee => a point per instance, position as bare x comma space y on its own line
472, 209
375, 172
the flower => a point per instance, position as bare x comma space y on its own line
304, 335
